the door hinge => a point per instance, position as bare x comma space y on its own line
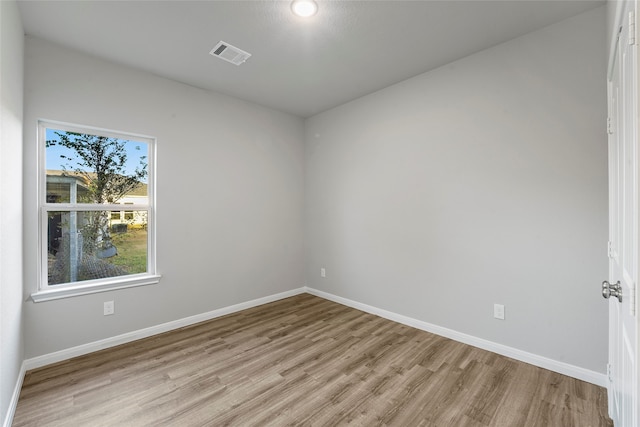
610, 253
609, 126
610, 372
632, 28
632, 300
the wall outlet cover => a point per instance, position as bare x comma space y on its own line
109, 308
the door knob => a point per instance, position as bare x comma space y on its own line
609, 290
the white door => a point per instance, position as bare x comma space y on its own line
623, 230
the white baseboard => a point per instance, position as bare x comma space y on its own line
11, 410
523, 356
533, 359
58, 356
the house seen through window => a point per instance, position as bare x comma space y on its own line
96, 207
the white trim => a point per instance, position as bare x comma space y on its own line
58, 356
523, 356
95, 130
114, 207
44, 291
94, 286
13, 403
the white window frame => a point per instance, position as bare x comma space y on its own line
47, 292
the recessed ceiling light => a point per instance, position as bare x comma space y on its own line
304, 8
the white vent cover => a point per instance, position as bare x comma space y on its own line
224, 50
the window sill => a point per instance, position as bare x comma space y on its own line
92, 288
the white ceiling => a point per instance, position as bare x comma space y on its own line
301, 66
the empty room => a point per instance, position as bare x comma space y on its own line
318, 213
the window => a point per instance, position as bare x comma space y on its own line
87, 242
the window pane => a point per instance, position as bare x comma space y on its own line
87, 168
65, 189
88, 245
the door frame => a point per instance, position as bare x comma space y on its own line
620, 8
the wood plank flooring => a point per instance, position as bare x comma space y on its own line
303, 361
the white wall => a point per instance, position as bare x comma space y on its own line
230, 195
482, 182
11, 330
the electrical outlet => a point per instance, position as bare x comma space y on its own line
498, 311
109, 308
323, 272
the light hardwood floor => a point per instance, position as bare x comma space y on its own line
303, 361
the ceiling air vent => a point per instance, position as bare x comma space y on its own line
224, 50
